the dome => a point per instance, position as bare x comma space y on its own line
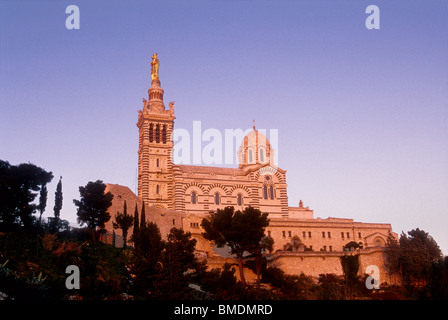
255, 149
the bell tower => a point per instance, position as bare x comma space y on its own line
155, 125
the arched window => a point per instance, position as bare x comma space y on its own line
157, 133
164, 133
261, 155
265, 192
251, 156
151, 132
216, 198
157, 163
193, 197
271, 192
239, 199
157, 189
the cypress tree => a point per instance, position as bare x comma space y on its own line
42, 201
123, 222
58, 199
57, 206
143, 216
136, 227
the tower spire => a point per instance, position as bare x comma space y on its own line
155, 67
155, 93
155, 125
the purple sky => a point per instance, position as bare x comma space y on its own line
361, 114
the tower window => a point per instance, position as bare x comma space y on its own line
216, 198
157, 163
151, 132
271, 191
193, 197
164, 133
251, 157
157, 133
261, 155
239, 199
265, 192
157, 189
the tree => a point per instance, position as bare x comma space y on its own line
439, 279
136, 226
19, 186
180, 266
123, 221
242, 231
42, 201
93, 206
55, 223
412, 257
145, 264
143, 216
295, 245
350, 267
58, 199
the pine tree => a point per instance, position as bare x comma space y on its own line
93, 206
242, 231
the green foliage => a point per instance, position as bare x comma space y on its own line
331, 287
123, 221
58, 200
164, 269
351, 246
19, 186
438, 283
136, 223
42, 201
93, 206
103, 270
144, 262
412, 257
290, 287
242, 231
350, 267
143, 216
219, 281
180, 266
36, 267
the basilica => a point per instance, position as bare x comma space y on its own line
177, 195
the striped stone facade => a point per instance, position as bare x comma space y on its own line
180, 196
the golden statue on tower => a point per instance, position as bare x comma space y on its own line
155, 67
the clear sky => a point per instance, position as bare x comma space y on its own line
361, 114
